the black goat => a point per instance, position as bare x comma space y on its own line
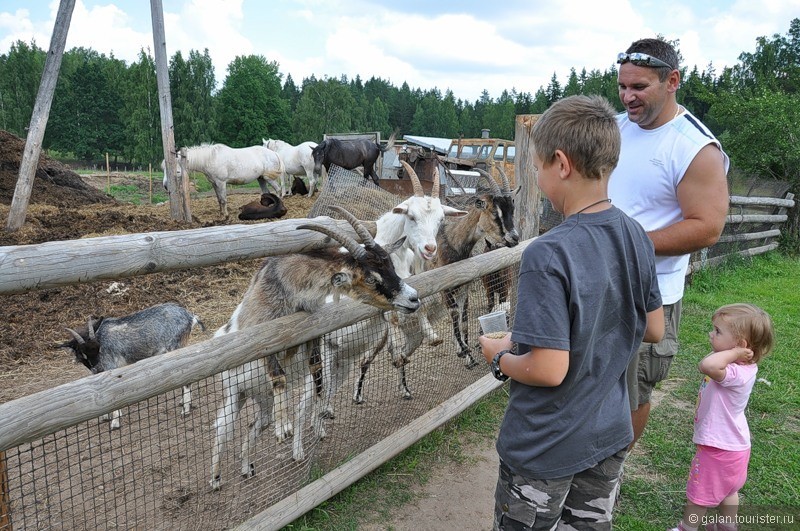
350, 154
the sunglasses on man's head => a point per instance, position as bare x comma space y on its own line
641, 59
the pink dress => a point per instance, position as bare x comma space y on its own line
719, 467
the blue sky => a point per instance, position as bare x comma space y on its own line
465, 46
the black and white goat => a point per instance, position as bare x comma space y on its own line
107, 343
490, 220
285, 285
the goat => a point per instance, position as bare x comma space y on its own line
112, 342
350, 154
270, 206
418, 218
284, 285
491, 218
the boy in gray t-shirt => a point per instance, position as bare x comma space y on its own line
587, 296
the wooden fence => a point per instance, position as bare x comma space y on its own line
752, 228
38, 422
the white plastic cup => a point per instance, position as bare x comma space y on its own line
493, 322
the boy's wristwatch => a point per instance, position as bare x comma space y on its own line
496, 365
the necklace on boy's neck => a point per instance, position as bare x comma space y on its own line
587, 207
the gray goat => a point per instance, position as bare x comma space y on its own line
111, 342
285, 285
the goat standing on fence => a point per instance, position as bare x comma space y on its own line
108, 343
289, 284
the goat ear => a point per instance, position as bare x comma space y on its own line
392, 247
454, 212
342, 278
402, 208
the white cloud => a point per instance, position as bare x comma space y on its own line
510, 44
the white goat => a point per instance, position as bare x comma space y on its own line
285, 285
418, 218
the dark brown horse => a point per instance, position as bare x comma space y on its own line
350, 154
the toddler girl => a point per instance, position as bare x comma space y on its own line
742, 334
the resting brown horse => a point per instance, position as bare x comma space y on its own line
269, 206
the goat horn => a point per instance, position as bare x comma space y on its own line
504, 178
348, 243
435, 189
490, 180
361, 230
91, 329
418, 192
76, 335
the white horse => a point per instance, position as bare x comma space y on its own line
297, 160
222, 164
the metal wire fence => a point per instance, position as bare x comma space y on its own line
154, 472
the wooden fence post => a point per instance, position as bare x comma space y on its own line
178, 190
527, 202
5, 497
41, 111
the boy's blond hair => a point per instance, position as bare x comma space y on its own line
751, 323
585, 129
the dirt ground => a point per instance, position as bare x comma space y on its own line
64, 206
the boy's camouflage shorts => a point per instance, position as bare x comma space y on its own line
582, 501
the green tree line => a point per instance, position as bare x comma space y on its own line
104, 105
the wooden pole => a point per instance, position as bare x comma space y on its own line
150, 179
5, 496
526, 206
178, 190
108, 176
41, 111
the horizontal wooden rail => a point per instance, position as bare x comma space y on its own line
761, 201
53, 264
34, 416
701, 264
725, 238
756, 218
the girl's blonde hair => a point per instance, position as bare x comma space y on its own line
751, 323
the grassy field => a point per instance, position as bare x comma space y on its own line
655, 477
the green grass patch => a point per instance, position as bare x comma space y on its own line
129, 193
653, 491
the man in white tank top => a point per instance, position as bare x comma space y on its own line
671, 178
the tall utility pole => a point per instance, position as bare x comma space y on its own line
41, 111
178, 190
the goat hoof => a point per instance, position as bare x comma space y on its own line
471, 364
249, 471
407, 396
215, 483
327, 414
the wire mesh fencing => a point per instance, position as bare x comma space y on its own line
364, 382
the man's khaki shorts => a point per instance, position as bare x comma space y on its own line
651, 363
